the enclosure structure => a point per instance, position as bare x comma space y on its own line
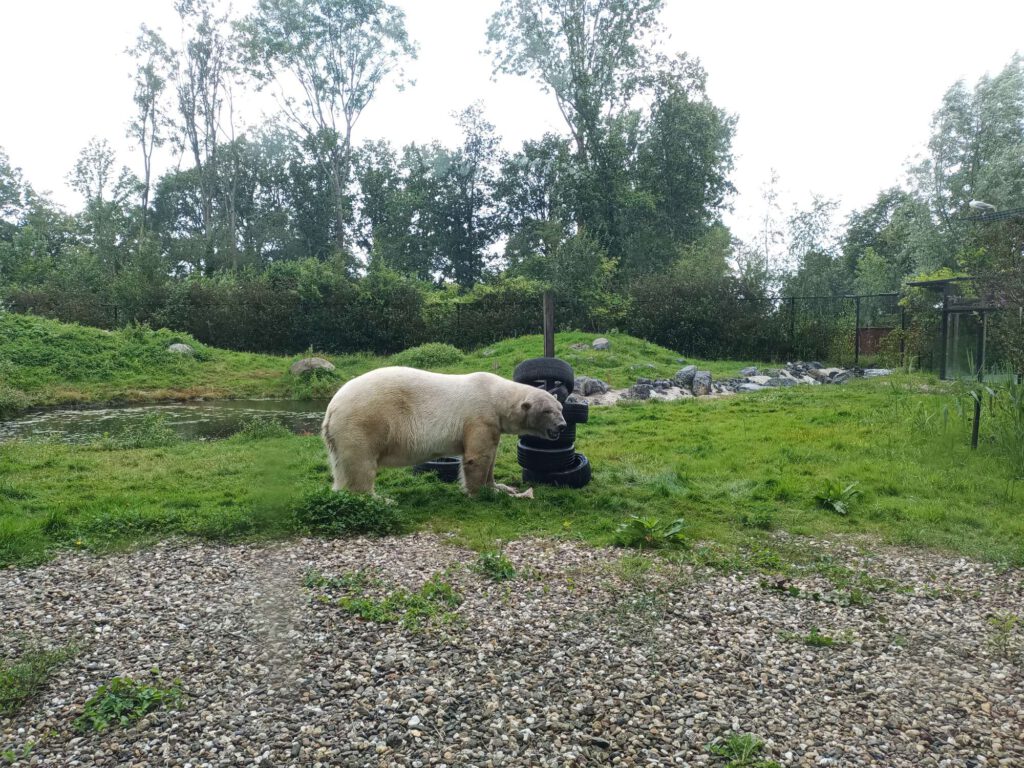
848, 330
962, 349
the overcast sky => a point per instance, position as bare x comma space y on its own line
835, 96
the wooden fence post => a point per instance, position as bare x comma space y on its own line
549, 324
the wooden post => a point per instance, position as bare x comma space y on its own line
856, 333
549, 324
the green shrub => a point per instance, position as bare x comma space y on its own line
432, 355
123, 701
12, 400
339, 513
495, 566
262, 428
836, 497
151, 431
649, 532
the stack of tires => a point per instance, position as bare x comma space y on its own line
446, 468
553, 462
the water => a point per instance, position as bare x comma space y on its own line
197, 420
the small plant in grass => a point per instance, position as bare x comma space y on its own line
411, 610
24, 677
649, 532
836, 497
123, 701
339, 513
495, 566
741, 750
1004, 630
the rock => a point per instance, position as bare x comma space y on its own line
684, 376
702, 383
181, 349
761, 380
579, 345
309, 364
781, 381
749, 387
870, 373
639, 391
841, 377
751, 371
662, 384
814, 364
587, 386
601, 343
576, 398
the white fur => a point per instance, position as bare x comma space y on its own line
396, 417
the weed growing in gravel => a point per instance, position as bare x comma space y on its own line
495, 566
20, 680
13, 755
338, 513
816, 639
350, 581
741, 750
649, 532
1004, 630
123, 701
836, 497
431, 603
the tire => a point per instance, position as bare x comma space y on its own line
576, 476
549, 371
545, 459
575, 413
446, 469
565, 440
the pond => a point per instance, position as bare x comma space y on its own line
195, 420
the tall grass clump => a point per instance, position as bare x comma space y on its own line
151, 431
1008, 424
339, 513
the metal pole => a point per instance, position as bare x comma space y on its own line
856, 333
549, 324
792, 326
903, 333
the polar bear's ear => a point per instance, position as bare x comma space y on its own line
526, 405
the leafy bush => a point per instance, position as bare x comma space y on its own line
432, 355
339, 513
123, 701
741, 750
649, 532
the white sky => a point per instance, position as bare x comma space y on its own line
835, 95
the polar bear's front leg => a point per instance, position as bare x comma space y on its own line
479, 452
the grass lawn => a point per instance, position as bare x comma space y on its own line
735, 469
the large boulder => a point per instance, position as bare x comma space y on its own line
751, 371
601, 343
587, 386
684, 376
702, 383
308, 365
181, 349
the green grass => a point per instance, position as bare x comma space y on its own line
45, 362
732, 468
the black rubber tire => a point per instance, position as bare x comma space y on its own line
575, 413
549, 371
576, 476
565, 440
446, 469
545, 459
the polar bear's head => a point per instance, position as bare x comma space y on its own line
541, 414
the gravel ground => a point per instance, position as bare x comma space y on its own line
585, 661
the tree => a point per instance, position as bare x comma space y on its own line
591, 54
338, 53
154, 62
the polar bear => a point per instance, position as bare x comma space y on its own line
399, 417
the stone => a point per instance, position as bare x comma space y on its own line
870, 373
749, 387
662, 384
841, 378
601, 343
587, 386
780, 381
750, 371
310, 364
684, 376
761, 380
702, 383
639, 391
181, 349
